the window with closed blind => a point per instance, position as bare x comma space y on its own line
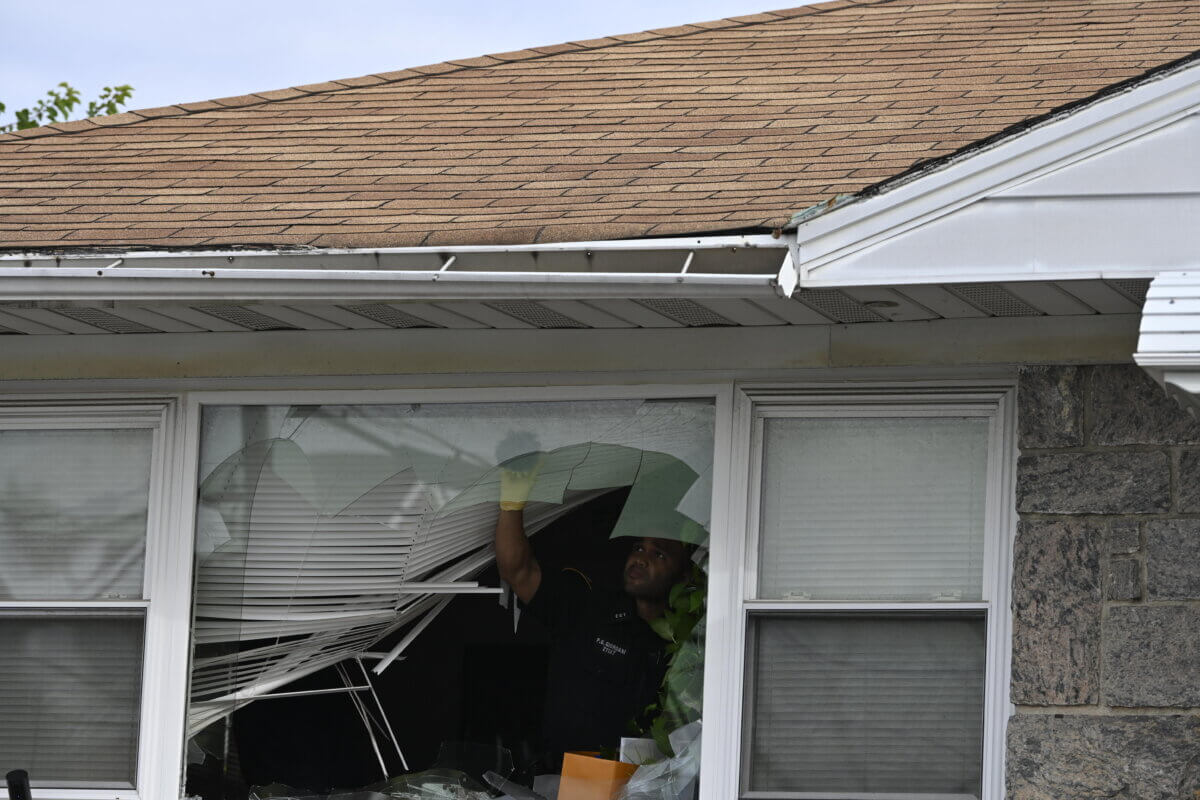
81, 492
876, 599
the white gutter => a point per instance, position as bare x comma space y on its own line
606, 245
394, 273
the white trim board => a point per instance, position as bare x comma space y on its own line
435, 357
865, 242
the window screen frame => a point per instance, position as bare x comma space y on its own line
166, 583
753, 404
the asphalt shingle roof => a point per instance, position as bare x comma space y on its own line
712, 127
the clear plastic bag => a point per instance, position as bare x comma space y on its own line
673, 778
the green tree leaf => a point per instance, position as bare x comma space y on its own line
60, 101
681, 693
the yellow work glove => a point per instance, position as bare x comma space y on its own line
515, 486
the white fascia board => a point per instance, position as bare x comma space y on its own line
388, 274
849, 229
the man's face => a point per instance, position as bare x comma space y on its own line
653, 566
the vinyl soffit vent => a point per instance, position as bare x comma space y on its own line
389, 315
686, 312
535, 314
995, 300
105, 321
1133, 288
244, 317
837, 306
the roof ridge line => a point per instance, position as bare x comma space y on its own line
126, 118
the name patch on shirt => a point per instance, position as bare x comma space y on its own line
610, 648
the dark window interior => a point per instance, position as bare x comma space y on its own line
468, 678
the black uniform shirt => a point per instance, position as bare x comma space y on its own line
606, 663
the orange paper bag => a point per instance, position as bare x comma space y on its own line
587, 778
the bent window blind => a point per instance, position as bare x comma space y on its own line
318, 525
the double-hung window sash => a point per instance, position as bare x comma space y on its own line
77, 498
872, 599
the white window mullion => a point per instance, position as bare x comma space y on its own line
168, 584
1001, 511
725, 631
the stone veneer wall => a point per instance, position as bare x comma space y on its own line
1106, 590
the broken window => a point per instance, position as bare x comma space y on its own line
350, 627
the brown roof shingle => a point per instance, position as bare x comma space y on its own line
709, 127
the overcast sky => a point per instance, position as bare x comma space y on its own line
178, 51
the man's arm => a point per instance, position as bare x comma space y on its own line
514, 557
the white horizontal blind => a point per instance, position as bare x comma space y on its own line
873, 509
311, 521
73, 513
70, 687
861, 705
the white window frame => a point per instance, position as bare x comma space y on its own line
166, 587
171, 530
721, 394
733, 580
